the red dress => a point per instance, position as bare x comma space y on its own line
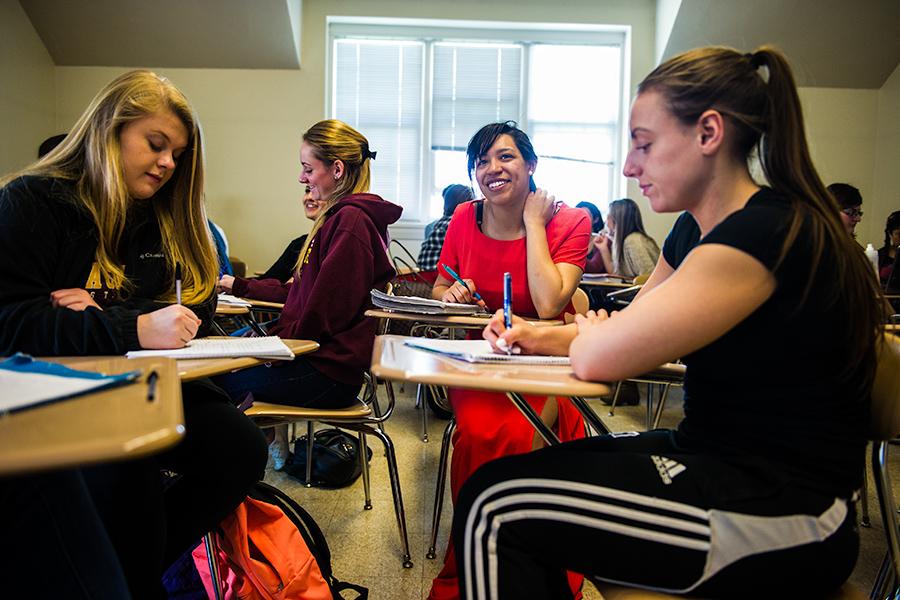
488, 425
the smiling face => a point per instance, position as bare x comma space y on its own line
319, 177
312, 207
151, 147
664, 158
502, 173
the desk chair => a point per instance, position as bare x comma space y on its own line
360, 418
884, 426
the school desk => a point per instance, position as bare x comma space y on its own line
453, 322
120, 423
394, 361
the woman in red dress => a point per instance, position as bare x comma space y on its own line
542, 244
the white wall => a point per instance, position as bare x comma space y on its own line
26, 94
840, 127
886, 198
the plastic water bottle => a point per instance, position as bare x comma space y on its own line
872, 255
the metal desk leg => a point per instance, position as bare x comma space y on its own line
545, 432
212, 558
589, 415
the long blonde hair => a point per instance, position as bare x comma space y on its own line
91, 157
333, 140
766, 117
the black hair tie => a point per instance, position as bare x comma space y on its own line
372, 154
755, 58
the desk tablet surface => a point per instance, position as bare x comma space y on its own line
118, 423
392, 359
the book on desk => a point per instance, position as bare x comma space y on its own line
480, 351
425, 306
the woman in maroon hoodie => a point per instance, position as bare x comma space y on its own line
344, 257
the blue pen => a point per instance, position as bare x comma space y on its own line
459, 280
507, 304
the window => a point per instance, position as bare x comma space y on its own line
418, 90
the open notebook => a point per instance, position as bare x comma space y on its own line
425, 306
479, 351
229, 300
26, 382
258, 347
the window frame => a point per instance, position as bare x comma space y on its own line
431, 31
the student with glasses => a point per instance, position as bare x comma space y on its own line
850, 200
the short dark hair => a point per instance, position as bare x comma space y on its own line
482, 141
454, 195
49, 144
596, 215
846, 195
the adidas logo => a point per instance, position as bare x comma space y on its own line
668, 469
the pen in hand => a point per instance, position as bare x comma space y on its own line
507, 306
178, 283
459, 280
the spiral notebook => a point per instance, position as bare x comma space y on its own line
424, 306
26, 382
480, 351
258, 347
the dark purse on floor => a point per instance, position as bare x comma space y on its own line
335, 459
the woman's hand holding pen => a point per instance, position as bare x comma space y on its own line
521, 338
73, 299
166, 328
226, 282
461, 294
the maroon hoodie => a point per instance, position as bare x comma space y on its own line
347, 258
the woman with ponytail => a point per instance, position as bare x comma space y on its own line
91, 238
753, 491
344, 258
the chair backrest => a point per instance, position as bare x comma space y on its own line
642, 278
886, 391
580, 301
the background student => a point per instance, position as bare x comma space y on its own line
345, 256
755, 489
89, 239
454, 195
542, 244
594, 262
626, 249
888, 252
283, 268
849, 202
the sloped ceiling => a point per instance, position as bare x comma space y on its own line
216, 34
830, 43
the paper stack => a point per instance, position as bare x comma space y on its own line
425, 306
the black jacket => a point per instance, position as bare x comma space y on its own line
47, 243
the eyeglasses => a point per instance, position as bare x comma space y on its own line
853, 213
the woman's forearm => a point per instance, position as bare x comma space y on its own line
545, 282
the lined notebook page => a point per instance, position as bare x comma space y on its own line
25, 382
479, 351
259, 347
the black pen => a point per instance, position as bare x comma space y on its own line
151, 385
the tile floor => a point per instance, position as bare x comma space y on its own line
365, 545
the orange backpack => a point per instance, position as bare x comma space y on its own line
269, 548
